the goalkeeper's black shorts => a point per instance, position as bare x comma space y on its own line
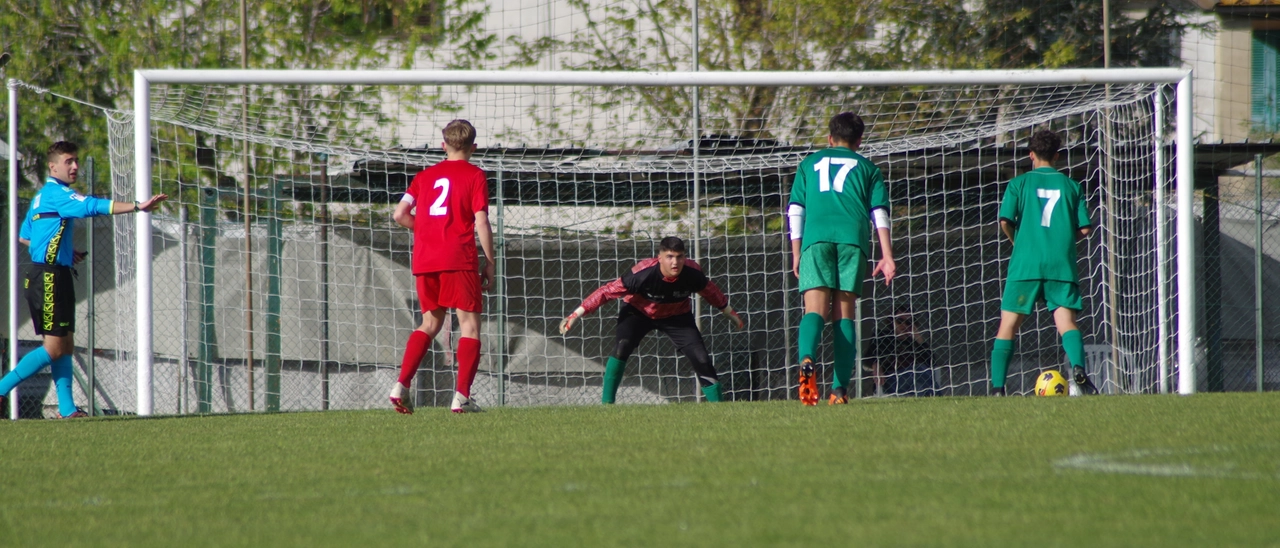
633, 325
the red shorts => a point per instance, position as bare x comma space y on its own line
458, 289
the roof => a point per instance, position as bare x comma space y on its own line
1249, 8
954, 168
1263, 8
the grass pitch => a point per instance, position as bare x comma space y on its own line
1104, 471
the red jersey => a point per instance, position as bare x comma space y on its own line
657, 296
447, 197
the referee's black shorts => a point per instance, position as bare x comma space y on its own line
51, 295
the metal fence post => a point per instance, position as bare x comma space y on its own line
275, 246
208, 346
90, 298
1257, 264
500, 292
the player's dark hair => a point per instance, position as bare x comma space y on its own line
460, 134
671, 243
847, 127
1045, 144
59, 148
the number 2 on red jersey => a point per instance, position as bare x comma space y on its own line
438, 208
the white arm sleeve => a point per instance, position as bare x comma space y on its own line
795, 213
881, 216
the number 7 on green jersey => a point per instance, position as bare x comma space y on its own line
1046, 211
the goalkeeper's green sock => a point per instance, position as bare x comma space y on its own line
846, 351
1073, 343
1001, 352
612, 378
810, 334
712, 392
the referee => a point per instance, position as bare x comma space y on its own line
47, 231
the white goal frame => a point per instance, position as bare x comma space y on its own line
1184, 166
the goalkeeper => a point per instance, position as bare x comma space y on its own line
655, 295
1046, 212
836, 196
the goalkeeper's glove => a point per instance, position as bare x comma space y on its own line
732, 315
567, 323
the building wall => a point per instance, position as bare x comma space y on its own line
1199, 53
1233, 78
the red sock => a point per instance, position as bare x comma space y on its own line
468, 363
414, 350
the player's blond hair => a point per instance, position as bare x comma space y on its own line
460, 134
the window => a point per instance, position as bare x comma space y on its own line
1266, 80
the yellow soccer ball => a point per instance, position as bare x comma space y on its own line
1051, 383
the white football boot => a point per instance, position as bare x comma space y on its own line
403, 405
463, 404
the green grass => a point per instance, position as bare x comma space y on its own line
1106, 471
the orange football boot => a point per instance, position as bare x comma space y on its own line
808, 382
838, 397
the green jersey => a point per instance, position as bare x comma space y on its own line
1047, 210
838, 188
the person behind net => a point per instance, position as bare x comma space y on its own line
902, 363
835, 197
1043, 213
656, 295
446, 206
50, 285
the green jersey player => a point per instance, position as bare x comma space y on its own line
1043, 213
836, 195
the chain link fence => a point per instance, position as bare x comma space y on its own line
338, 334
1241, 278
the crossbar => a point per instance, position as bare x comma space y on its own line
666, 79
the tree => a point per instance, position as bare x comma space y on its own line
88, 51
831, 35
736, 35
1068, 33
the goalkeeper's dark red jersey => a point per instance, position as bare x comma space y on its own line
646, 289
447, 197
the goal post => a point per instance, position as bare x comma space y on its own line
142, 241
11, 229
1085, 95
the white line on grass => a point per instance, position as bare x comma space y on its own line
1137, 462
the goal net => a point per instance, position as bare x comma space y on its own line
299, 295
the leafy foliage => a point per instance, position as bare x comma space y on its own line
737, 35
88, 51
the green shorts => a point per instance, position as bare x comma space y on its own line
1021, 296
833, 266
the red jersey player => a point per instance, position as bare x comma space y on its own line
656, 296
446, 205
